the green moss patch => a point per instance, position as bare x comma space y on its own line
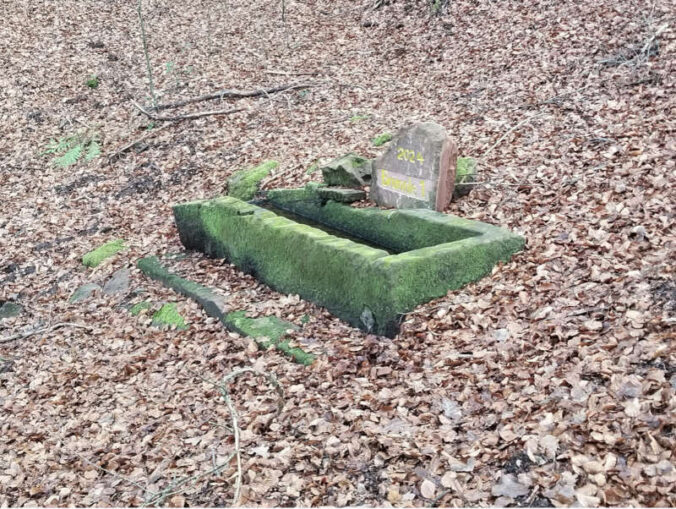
140, 307
245, 184
465, 175
168, 316
98, 255
267, 331
381, 139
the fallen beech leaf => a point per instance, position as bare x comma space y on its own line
428, 489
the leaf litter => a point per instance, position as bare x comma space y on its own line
551, 381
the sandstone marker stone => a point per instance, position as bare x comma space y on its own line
417, 170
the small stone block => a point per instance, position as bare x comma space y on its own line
341, 194
417, 170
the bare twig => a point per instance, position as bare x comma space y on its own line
187, 116
28, 334
235, 418
131, 144
511, 130
149, 68
233, 94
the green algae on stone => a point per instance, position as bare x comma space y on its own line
101, 253
267, 331
381, 139
213, 304
465, 175
244, 184
168, 316
139, 307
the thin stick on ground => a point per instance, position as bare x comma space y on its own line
149, 68
511, 130
187, 116
235, 418
233, 94
28, 334
131, 144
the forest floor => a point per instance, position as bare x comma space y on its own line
549, 382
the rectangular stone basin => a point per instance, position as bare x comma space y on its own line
366, 265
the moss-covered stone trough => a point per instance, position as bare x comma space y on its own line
366, 265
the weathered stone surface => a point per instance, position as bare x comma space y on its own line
118, 283
465, 175
417, 170
213, 303
245, 183
369, 287
10, 309
84, 292
341, 194
97, 256
347, 171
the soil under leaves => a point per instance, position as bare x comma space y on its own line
551, 381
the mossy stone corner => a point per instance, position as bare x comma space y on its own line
97, 256
349, 170
341, 194
407, 257
465, 176
168, 316
140, 307
245, 184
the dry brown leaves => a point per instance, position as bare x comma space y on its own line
549, 382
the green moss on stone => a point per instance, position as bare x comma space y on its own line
381, 139
168, 316
465, 175
267, 331
245, 183
365, 286
98, 255
138, 308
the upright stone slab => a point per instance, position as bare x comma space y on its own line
417, 170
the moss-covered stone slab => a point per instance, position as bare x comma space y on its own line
214, 304
347, 171
84, 292
422, 254
246, 183
97, 256
341, 194
266, 331
168, 316
465, 176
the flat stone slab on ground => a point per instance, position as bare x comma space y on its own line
84, 292
417, 170
10, 310
118, 283
341, 194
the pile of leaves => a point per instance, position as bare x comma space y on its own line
549, 382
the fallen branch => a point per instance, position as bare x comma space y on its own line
235, 418
130, 145
187, 116
233, 94
511, 130
28, 334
